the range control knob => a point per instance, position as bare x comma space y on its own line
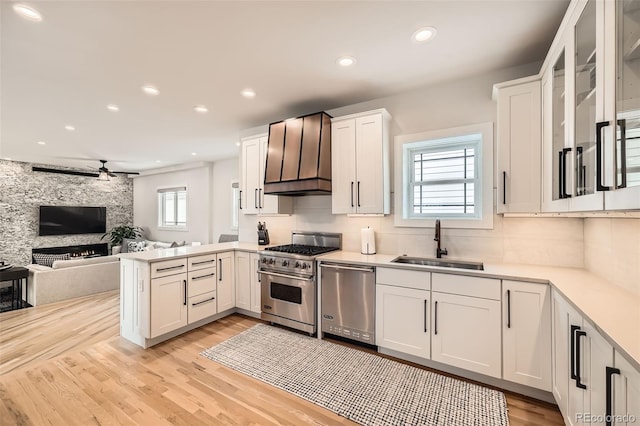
297, 264
272, 261
264, 260
285, 263
304, 266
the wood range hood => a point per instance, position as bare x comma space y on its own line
299, 156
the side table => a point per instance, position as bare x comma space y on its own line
17, 275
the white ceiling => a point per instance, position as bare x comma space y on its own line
87, 54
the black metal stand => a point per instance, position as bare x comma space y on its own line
17, 275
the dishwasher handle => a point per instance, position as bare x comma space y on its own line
348, 268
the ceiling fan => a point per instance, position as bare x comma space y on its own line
104, 173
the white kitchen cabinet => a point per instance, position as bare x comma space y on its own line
466, 332
402, 319
252, 197
360, 163
591, 108
201, 306
560, 349
247, 281
519, 146
526, 334
626, 392
226, 291
168, 304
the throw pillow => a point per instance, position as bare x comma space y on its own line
126, 241
48, 259
134, 246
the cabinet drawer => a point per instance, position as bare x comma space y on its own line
201, 281
202, 306
404, 278
168, 267
486, 288
202, 262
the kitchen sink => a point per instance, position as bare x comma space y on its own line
444, 263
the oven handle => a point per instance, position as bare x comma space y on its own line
350, 268
290, 277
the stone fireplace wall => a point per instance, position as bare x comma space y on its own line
23, 191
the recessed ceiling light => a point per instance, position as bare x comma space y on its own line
346, 61
113, 107
424, 34
194, 153
237, 143
248, 93
70, 127
201, 109
42, 143
150, 90
27, 12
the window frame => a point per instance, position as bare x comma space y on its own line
162, 212
483, 216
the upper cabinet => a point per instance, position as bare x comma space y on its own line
591, 110
519, 146
360, 163
252, 197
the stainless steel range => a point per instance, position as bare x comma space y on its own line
288, 279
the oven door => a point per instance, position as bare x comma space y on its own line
289, 297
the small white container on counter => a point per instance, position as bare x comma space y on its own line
368, 241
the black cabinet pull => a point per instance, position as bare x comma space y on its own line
220, 270
169, 268
351, 194
358, 193
202, 263
504, 187
435, 318
508, 308
610, 371
255, 198
202, 276
623, 153
565, 151
204, 301
579, 384
599, 126
185, 292
560, 175
574, 328
425, 315
241, 199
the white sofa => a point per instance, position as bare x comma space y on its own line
68, 279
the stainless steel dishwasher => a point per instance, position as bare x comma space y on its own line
349, 301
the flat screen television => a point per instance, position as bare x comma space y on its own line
66, 220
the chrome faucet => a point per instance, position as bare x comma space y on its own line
439, 251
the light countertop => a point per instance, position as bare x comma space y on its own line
177, 252
613, 310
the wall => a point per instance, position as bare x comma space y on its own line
612, 250
22, 191
550, 241
197, 179
224, 173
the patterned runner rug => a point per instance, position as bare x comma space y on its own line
363, 387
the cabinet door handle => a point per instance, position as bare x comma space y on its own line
241, 199
560, 175
255, 198
508, 308
581, 172
202, 276
579, 384
260, 197
204, 301
358, 193
574, 328
599, 126
610, 371
504, 187
351, 194
425, 315
185, 292
623, 153
220, 270
565, 151
435, 318
169, 268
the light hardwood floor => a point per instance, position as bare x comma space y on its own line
65, 364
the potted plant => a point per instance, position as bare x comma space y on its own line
118, 233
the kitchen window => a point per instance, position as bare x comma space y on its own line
445, 174
172, 208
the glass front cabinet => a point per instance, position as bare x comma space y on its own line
591, 110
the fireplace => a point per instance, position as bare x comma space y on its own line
76, 252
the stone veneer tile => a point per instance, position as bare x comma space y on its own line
22, 191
